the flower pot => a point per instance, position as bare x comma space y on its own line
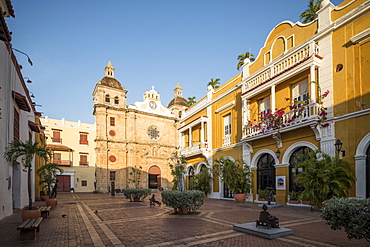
240, 198
30, 213
306, 202
261, 199
183, 210
293, 202
51, 202
43, 198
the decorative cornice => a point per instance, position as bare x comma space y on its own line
358, 38
224, 107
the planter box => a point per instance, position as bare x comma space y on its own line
293, 202
306, 202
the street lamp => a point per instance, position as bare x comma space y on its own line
28, 79
29, 59
338, 146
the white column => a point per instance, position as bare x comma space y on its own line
312, 85
273, 101
190, 137
202, 132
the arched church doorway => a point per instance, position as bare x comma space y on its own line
299, 155
266, 172
154, 177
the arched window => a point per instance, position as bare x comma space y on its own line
266, 172
191, 177
154, 177
116, 101
368, 172
293, 170
107, 99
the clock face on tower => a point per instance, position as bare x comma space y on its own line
152, 104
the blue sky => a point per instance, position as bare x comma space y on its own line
150, 43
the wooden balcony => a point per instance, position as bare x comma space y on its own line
66, 163
84, 163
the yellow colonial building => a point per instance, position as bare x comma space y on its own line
314, 78
73, 149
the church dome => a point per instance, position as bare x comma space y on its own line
177, 101
111, 82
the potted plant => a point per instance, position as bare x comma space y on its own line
324, 177
47, 175
261, 195
43, 195
136, 195
25, 152
236, 175
294, 197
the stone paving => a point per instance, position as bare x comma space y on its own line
103, 220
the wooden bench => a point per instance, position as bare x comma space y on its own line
45, 211
29, 227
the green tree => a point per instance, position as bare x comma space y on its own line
48, 174
26, 152
242, 57
191, 101
215, 83
177, 165
203, 179
235, 174
136, 176
310, 13
324, 177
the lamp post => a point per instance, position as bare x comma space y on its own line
338, 146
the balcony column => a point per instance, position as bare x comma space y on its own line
273, 100
201, 134
190, 137
312, 85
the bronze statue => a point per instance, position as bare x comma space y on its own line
266, 219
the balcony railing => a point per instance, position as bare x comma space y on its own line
227, 140
57, 140
84, 163
63, 162
84, 142
289, 119
280, 65
195, 148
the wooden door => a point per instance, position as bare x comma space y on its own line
64, 183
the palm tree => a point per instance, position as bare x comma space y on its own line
214, 83
191, 101
48, 174
324, 177
26, 151
310, 13
242, 57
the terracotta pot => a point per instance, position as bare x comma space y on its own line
43, 198
293, 202
183, 210
30, 213
261, 199
306, 202
51, 202
240, 198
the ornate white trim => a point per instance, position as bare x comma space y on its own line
226, 106
360, 163
358, 38
293, 147
260, 153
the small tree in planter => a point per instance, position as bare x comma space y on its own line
135, 174
324, 177
261, 195
183, 201
177, 165
26, 151
136, 195
236, 175
47, 175
351, 214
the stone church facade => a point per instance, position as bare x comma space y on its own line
142, 136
